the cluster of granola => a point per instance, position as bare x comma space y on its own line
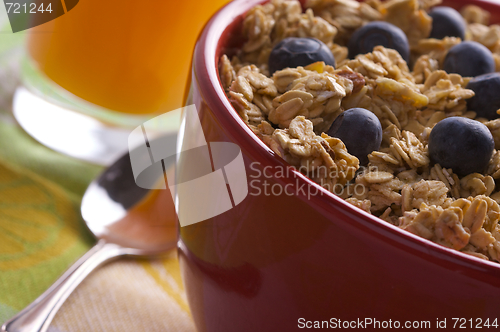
479, 30
292, 109
322, 158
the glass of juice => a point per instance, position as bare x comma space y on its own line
105, 67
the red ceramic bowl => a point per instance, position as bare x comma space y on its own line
274, 262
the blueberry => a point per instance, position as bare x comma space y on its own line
293, 52
377, 33
462, 144
447, 22
360, 130
469, 59
486, 102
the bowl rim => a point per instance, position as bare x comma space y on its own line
206, 76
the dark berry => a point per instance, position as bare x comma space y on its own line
293, 52
462, 144
486, 101
360, 130
469, 59
378, 33
446, 22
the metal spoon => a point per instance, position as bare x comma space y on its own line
126, 220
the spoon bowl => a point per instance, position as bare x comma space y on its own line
118, 211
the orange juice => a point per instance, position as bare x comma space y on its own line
127, 56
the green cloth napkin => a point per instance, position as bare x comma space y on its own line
41, 231
20, 150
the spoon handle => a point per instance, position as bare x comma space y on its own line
37, 316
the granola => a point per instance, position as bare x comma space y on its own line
292, 109
315, 94
324, 159
475, 14
346, 15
